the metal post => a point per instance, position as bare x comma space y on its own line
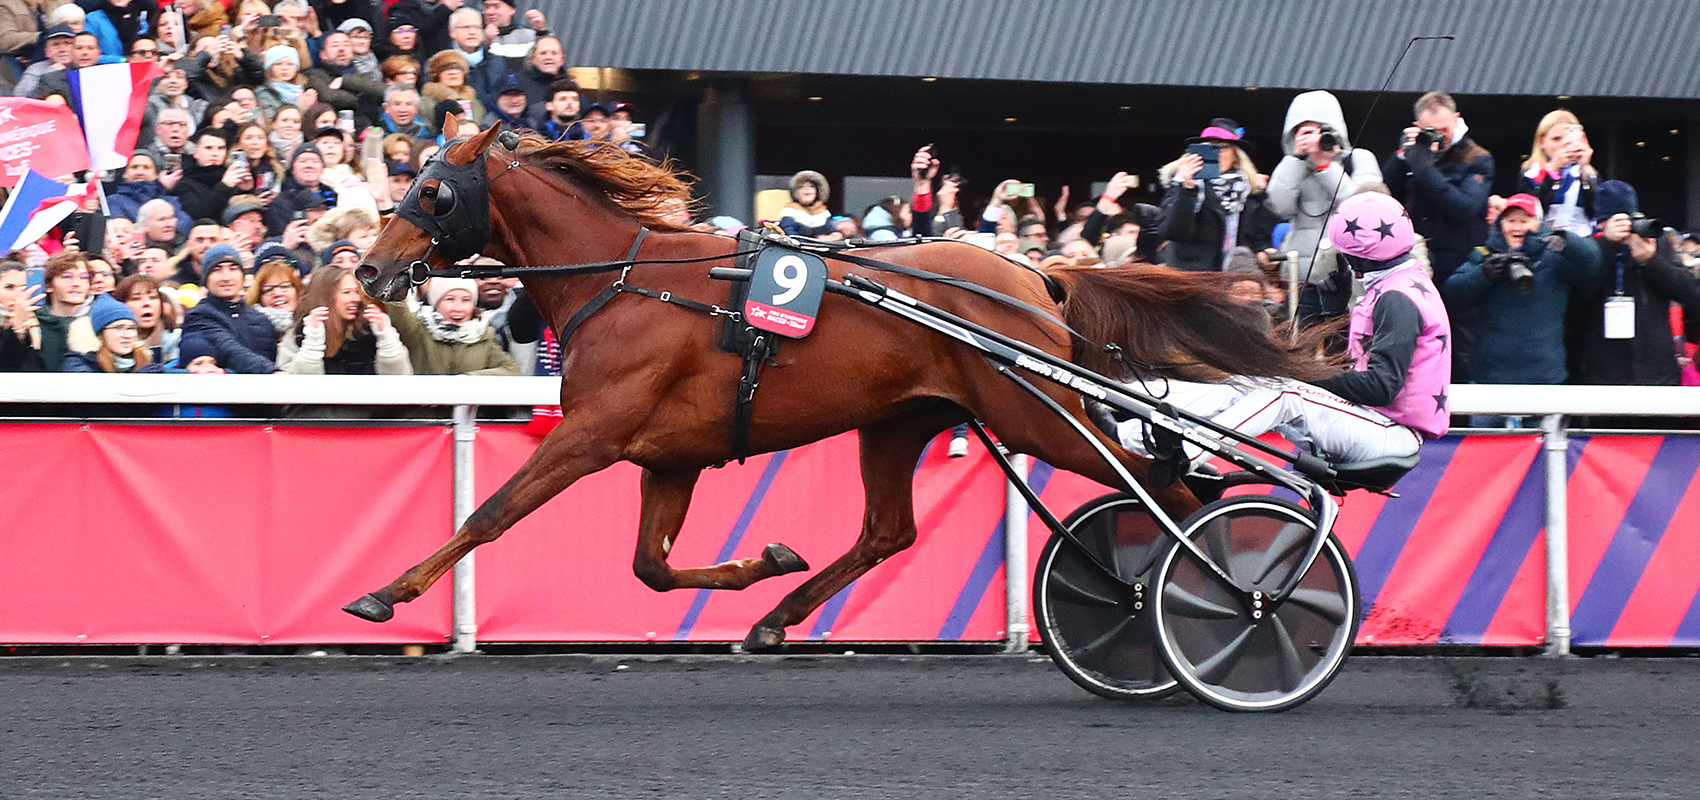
465, 598
1556, 443
1015, 513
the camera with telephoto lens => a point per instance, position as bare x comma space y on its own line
1327, 139
1515, 267
1428, 137
1646, 227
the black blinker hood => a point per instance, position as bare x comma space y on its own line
462, 230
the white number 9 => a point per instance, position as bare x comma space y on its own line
791, 273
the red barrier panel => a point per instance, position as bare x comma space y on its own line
564, 573
217, 534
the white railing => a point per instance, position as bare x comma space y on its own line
465, 393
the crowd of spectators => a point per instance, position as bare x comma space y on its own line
277, 135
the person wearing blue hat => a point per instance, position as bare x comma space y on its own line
120, 348
243, 337
1619, 322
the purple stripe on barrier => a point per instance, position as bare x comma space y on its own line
1393, 526
1522, 524
1688, 633
768, 473
830, 610
1644, 524
991, 557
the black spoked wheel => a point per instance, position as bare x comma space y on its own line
1233, 646
1099, 629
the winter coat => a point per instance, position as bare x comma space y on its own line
1519, 336
535, 81
1195, 226
244, 339
1648, 359
90, 362
368, 354
125, 199
1447, 199
293, 197
16, 354
432, 20
201, 191
1304, 195
118, 28
332, 14
433, 357
61, 335
359, 93
19, 29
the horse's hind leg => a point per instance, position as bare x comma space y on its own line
666, 496
889, 451
565, 455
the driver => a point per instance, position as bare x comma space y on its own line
1399, 341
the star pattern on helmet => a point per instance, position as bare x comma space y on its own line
1421, 289
1440, 402
1352, 227
1442, 338
1385, 229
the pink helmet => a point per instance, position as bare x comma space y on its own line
1371, 226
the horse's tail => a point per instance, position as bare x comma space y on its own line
1179, 324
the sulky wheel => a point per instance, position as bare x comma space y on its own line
1234, 647
1098, 629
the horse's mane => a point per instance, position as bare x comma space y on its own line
1181, 324
648, 191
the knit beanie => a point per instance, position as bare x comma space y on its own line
442, 286
106, 310
280, 52
193, 346
1615, 197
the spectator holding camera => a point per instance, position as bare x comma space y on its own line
1559, 172
1519, 284
20, 333
1320, 169
1210, 207
1444, 179
1620, 331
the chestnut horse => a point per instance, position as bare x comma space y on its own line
643, 381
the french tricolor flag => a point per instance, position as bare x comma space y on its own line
110, 99
37, 204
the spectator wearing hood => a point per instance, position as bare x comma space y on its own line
447, 336
1519, 325
429, 20
242, 337
1320, 169
1204, 218
301, 191
806, 214
1619, 321
511, 106
1444, 185
339, 83
1560, 173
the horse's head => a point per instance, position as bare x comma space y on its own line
444, 218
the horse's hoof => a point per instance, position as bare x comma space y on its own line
370, 608
763, 638
783, 559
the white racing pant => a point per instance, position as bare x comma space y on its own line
1311, 418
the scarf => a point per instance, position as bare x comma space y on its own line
123, 363
1231, 190
469, 332
281, 318
290, 92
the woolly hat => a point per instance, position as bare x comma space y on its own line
339, 246
275, 251
1615, 197
193, 346
447, 59
304, 149
279, 52
822, 190
219, 254
441, 286
106, 310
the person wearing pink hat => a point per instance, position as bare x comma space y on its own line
1211, 208
1394, 395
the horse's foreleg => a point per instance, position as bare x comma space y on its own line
565, 455
888, 451
666, 496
